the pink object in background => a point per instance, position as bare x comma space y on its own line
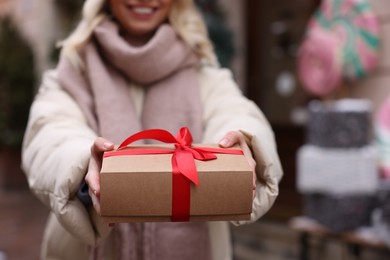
342, 40
358, 28
383, 116
382, 137
320, 62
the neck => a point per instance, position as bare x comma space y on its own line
138, 40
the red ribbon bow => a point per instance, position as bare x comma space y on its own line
183, 163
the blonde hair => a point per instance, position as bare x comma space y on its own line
184, 18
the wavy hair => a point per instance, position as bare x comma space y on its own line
184, 18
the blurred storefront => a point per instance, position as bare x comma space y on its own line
265, 37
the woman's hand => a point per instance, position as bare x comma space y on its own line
235, 137
100, 145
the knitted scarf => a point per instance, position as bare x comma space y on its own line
166, 68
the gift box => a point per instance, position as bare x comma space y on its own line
340, 212
343, 123
339, 171
148, 183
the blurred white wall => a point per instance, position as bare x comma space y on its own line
36, 21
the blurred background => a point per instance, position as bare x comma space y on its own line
320, 72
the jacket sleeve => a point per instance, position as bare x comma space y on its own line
226, 109
55, 156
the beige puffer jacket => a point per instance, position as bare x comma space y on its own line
56, 152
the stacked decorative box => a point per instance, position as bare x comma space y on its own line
337, 168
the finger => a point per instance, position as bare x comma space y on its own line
99, 146
95, 200
230, 139
92, 177
93, 180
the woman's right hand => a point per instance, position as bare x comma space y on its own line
100, 145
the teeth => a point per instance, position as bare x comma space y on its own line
142, 10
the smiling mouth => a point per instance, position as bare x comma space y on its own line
143, 10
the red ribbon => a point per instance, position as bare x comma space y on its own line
183, 163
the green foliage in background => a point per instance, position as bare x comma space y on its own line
17, 81
220, 34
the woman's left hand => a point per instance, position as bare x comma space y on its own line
92, 178
235, 137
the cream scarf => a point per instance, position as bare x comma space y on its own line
166, 67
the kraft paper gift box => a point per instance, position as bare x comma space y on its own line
141, 187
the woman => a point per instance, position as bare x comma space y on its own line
133, 65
